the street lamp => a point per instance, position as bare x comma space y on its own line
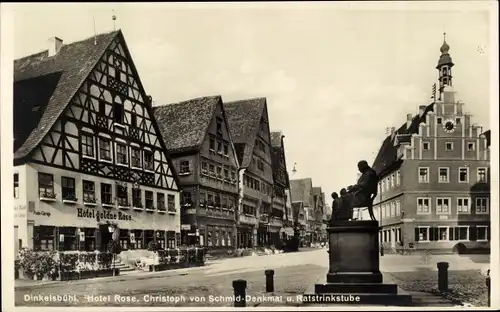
111, 229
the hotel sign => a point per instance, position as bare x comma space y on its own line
102, 215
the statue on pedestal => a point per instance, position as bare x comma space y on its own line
364, 191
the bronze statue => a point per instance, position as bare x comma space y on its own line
342, 209
363, 193
335, 207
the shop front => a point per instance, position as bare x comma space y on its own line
262, 235
76, 227
245, 236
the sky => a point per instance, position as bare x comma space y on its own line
334, 75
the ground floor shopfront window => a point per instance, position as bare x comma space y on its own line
219, 236
89, 239
171, 239
44, 238
245, 238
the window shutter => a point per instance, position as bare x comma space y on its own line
436, 234
432, 234
416, 234
97, 239
473, 233
56, 239
453, 232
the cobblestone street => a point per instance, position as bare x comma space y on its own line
211, 285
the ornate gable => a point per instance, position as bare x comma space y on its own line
108, 128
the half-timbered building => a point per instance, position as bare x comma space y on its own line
198, 140
281, 183
89, 159
249, 125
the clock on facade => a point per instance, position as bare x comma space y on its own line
449, 126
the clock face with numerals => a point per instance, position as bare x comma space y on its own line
449, 126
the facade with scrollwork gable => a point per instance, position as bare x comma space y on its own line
434, 189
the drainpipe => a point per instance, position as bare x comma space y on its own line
380, 220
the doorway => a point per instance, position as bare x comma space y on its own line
106, 236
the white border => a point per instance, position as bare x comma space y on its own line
6, 21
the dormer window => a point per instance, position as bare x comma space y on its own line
118, 112
117, 63
219, 125
133, 120
102, 108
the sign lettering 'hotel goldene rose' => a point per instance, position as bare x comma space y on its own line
102, 215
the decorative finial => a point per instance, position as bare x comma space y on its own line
114, 20
445, 47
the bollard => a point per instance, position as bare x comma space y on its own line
269, 280
488, 285
239, 287
442, 276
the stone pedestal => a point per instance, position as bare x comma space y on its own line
354, 254
354, 265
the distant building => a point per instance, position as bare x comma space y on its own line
319, 210
289, 218
90, 163
198, 140
302, 191
434, 190
281, 184
249, 126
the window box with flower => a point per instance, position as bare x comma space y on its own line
48, 196
70, 199
90, 201
138, 206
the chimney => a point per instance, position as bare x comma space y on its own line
409, 117
421, 109
55, 45
393, 132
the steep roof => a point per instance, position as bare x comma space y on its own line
184, 125
45, 84
243, 118
296, 208
300, 190
276, 138
387, 156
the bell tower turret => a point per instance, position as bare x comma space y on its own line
444, 67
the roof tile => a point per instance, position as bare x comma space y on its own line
73, 62
184, 124
243, 118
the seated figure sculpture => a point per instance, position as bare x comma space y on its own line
335, 207
363, 192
